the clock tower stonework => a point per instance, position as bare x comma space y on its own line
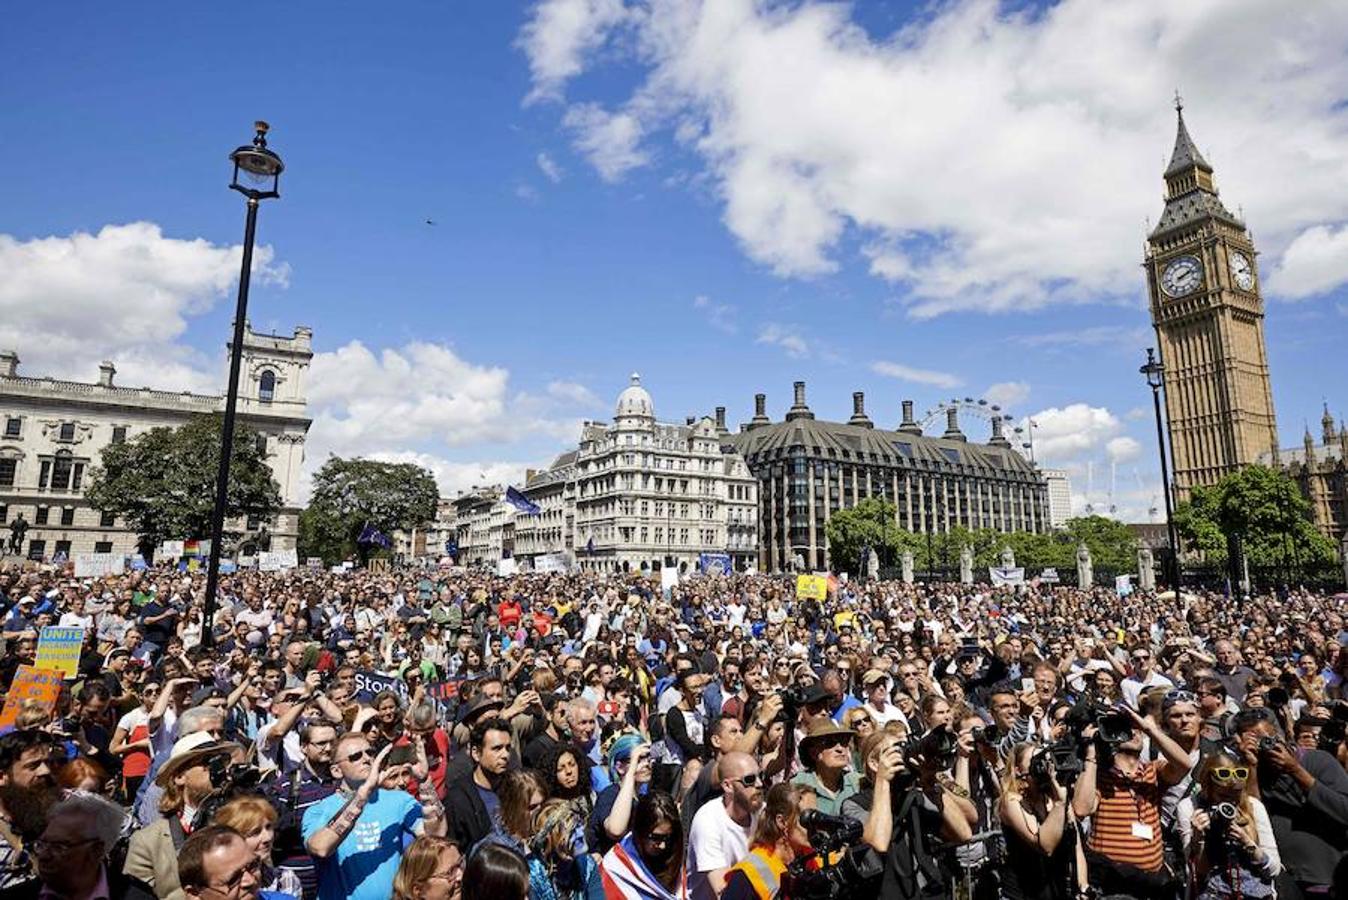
1209, 318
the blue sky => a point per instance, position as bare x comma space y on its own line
725, 197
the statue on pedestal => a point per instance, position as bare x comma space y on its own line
1146, 571
907, 566
967, 565
1008, 558
873, 564
1085, 571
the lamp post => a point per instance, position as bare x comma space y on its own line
257, 175
1154, 372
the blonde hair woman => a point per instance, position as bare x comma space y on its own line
1040, 835
1227, 834
255, 818
431, 869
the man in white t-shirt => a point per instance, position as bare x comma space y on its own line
719, 837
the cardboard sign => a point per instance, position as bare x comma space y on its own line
277, 561
58, 649
811, 587
506, 567
96, 565
30, 683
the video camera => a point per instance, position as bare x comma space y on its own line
836, 866
1112, 728
231, 780
937, 747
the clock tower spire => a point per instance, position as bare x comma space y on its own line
1209, 320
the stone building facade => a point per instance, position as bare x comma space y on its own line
52, 434
808, 469
1321, 471
1208, 314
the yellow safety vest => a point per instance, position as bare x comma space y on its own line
764, 871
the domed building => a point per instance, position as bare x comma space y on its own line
638, 495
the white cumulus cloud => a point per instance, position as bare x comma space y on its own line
984, 157
915, 375
1007, 393
787, 337
1314, 263
125, 293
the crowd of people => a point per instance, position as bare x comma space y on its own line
444, 733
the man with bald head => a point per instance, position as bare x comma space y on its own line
719, 837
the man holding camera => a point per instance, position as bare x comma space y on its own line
1123, 796
1306, 795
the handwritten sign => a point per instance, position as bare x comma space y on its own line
30, 683
277, 561
811, 587
58, 649
96, 565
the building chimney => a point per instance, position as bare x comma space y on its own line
689, 420
760, 413
720, 420
952, 425
908, 425
105, 372
859, 417
998, 437
798, 409
9, 364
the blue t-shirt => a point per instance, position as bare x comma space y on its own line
363, 865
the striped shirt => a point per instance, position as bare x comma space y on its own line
1126, 826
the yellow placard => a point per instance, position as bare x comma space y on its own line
58, 649
43, 685
811, 587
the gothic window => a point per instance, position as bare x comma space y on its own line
266, 386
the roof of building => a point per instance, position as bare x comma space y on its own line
1186, 151
1322, 453
1199, 203
839, 440
635, 400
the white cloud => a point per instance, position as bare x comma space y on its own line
1314, 263
573, 393
787, 337
557, 37
1007, 393
548, 166
1123, 449
917, 376
608, 140
125, 293
986, 158
720, 316
1064, 434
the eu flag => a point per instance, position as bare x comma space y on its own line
371, 535
521, 502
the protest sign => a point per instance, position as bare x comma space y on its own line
370, 683
1049, 576
1006, 575
444, 691
669, 578
1123, 585
96, 565
30, 683
170, 550
550, 562
58, 649
714, 563
506, 567
811, 587
277, 561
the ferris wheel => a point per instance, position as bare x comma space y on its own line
1021, 437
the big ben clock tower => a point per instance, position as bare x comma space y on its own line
1209, 319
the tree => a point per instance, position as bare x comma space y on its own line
1265, 509
870, 525
162, 482
1112, 544
349, 493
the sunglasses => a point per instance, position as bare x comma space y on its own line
1230, 773
359, 755
837, 740
750, 780
862, 720
1180, 697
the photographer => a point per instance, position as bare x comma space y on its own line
1043, 859
1306, 795
1227, 835
905, 808
1123, 795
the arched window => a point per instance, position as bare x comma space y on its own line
266, 386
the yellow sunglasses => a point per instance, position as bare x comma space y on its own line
1230, 773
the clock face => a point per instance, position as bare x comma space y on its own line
1182, 276
1242, 273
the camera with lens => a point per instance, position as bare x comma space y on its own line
793, 700
230, 780
1042, 769
836, 868
1334, 731
1220, 819
988, 735
937, 747
1269, 744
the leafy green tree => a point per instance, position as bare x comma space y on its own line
1265, 508
868, 525
162, 482
348, 493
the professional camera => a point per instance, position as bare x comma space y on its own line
231, 780
793, 700
1043, 766
1268, 744
988, 735
1334, 731
1220, 817
938, 747
835, 868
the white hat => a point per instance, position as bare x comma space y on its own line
189, 750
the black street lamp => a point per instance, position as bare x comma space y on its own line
1154, 372
257, 175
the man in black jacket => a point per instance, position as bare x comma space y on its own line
73, 855
471, 801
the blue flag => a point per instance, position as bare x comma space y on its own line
371, 535
521, 502
589, 547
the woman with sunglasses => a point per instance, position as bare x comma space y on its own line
1227, 834
860, 720
648, 862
